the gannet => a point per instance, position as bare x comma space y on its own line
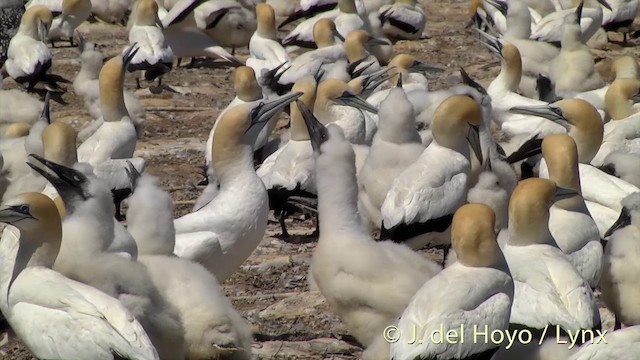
479, 294
28, 57
620, 17
69, 14
548, 289
581, 242
405, 19
302, 35
228, 22
422, 199
359, 46
265, 50
86, 85
73, 320
396, 145
87, 230
184, 33
624, 166
624, 67
153, 56
223, 233
550, 27
212, 327
116, 137
620, 269
344, 262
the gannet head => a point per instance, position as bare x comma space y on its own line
32, 212
511, 61
329, 143
335, 91
306, 86
17, 130
266, 18
358, 45
347, 6
146, 13
619, 96
405, 64
561, 156
473, 237
325, 32
625, 67
59, 140
397, 118
245, 84
457, 121
111, 82
91, 58
630, 214
36, 22
529, 210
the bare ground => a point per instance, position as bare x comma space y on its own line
270, 289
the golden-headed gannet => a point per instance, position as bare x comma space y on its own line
301, 37
620, 344
423, 198
573, 69
412, 70
405, 19
396, 145
86, 85
358, 46
28, 57
581, 242
154, 56
185, 33
223, 233
623, 165
265, 50
480, 294
228, 22
68, 15
212, 327
548, 289
620, 17
624, 67
550, 27
116, 137
337, 102
16, 130
620, 269
88, 229
290, 171
344, 262
73, 320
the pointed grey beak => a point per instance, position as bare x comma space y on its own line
579, 12
338, 35
129, 54
134, 175
564, 193
349, 99
43, 32
46, 112
375, 41
351, 68
544, 111
467, 80
68, 182
262, 113
605, 4
399, 82
502, 6
422, 67
623, 220
372, 81
317, 131
529, 148
473, 137
487, 165
493, 44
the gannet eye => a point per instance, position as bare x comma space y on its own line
23, 209
557, 111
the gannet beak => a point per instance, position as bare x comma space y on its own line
487, 165
564, 193
473, 137
375, 41
43, 32
46, 112
317, 131
423, 67
493, 44
129, 53
349, 99
372, 81
67, 181
623, 220
502, 6
531, 147
467, 80
399, 82
635, 98
133, 174
544, 111
262, 113
579, 12
351, 68
12, 214
605, 4
337, 34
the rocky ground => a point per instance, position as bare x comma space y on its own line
270, 290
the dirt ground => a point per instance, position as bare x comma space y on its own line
270, 289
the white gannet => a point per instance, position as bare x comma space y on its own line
479, 296
581, 242
71, 320
422, 199
405, 19
116, 137
67, 16
624, 67
212, 327
624, 166
396, 145
87, 230
86, 85
228, 22
620, 269
153, 56
184, 35
265, 50
550, 27
223, 233
621, 16
344, 261
622, 344
548, 289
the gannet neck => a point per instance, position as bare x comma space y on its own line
561, 156
266, 17
399, 65
91, 63
111, 82
324, 32
397, 121
452, 120
473, 237
354, 45
587, 129
347, 6
299, 130
625, 67
337, 186
571, 38
510, 68
146, 13
88, 230
33, 19
59, 140
231, 154
529, 212
617, 98
326, 94
474, 5
246, 86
